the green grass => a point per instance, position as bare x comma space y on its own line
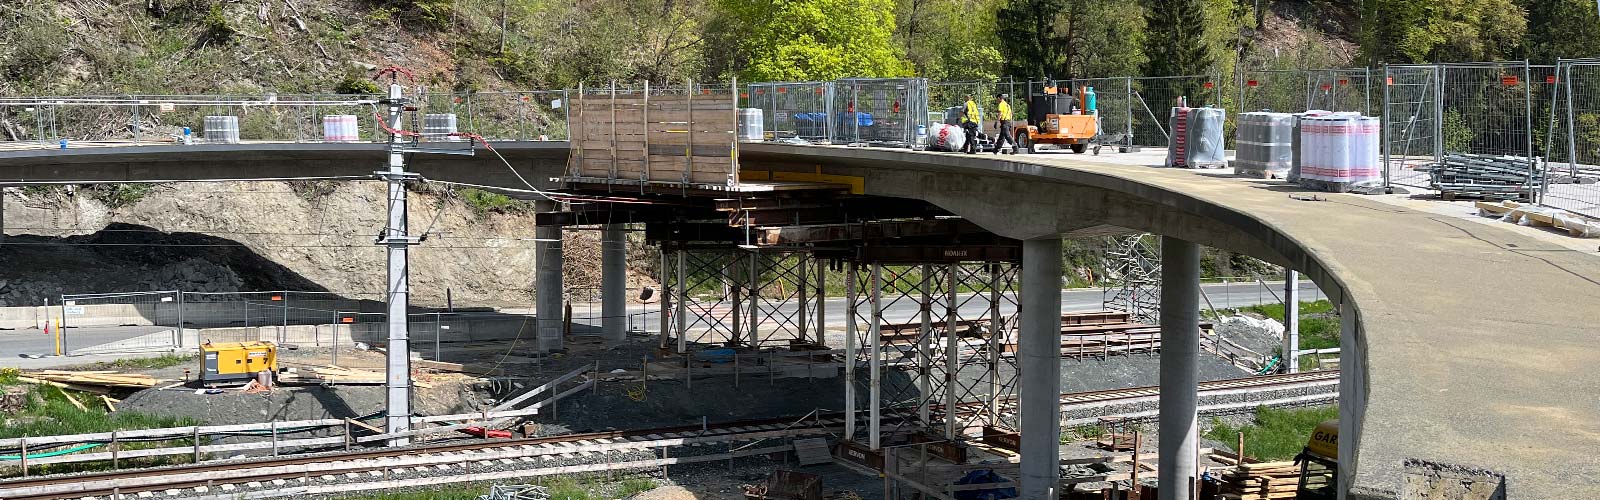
485, 203
151, 363
48, 413
1277, 434
1319, 324
450, 492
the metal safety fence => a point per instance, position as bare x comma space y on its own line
1572, 141
881, 111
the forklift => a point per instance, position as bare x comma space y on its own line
1319, 464
1054, 118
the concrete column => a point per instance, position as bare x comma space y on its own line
614, 283
548, 302
1291, 321
398, 243
1039, 363
1180, 354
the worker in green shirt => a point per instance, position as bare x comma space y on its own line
1003, 124
970, 120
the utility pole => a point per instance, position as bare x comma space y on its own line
398, 242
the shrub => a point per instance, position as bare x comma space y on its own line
120, 195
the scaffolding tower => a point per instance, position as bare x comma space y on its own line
1135, 268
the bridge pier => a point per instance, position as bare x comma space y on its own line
548, 300
1180, 353
614, 283
1039, 360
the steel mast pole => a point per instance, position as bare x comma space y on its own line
398, 242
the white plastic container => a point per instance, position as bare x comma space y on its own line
439, 126
340, 128
751, 126
222, 129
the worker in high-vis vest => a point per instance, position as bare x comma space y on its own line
970, 118
1003, 124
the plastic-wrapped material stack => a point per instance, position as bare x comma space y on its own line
751, 126
222, 129
340, 128
946, 137
1294, 164
1196, 138
1339, 151
439, 126
1265, 145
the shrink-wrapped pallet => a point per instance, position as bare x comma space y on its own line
222, 129
439, 126
1195, 140
340, 128
946, 137
1339, 151
1264, 145
751, 126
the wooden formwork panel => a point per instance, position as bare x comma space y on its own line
656, 138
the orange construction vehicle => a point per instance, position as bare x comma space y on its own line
1057, 119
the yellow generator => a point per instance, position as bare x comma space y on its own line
236, 361
1319, 464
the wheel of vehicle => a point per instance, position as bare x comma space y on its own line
1080, 147
1026, 143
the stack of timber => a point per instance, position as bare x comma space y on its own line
1487, 177
99, 382
1263, 481
640, 136
337, 375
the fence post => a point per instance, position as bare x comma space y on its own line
1128, 107
1527, 98
1383, 128
1572, 142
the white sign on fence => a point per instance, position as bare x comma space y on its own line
73, 310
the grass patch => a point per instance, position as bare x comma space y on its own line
120, 195
48, 413
151, 363
1277, 434
485, 203
1319, 324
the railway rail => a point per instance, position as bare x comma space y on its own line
346, 471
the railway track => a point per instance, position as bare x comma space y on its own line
455, 462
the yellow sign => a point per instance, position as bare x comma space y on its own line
1325, 440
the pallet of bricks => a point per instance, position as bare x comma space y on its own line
1261, 481
1485, 177
654, 135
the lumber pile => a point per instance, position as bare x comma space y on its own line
338, 375
99, 382
1262, 481
1487, 177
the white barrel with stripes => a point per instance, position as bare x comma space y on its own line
340, 128
439, 126
222, 129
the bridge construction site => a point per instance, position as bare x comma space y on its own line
837, 308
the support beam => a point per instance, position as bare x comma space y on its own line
1039, 363
822, 301
951, 349
925, 347
994, 344
850, 359
667, 289
1180, 354
614, 283
1291, 321
875, 362
804, 293
682, 314
547, 247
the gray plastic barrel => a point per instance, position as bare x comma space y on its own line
222, 129
439, 126
751, 126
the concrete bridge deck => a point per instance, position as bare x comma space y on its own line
1473, 344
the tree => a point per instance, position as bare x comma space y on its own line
1415, 31
787, 40
1562, 29
1030, 41
1070, 38
1178, 45
946, 40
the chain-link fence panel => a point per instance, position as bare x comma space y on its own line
1411, 123
115, 323
1341, 90
1156, 96
793, 110
881, 111
1573, 177
1279, 91
518, 116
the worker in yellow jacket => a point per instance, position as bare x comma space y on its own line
970, 120
1003, 124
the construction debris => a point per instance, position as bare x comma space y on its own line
1524, 215
1263, 481
1487, 177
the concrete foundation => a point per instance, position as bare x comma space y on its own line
614, 283
1180, 372
1039, 363
548, 299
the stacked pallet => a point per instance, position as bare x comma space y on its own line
1526, 215
1487, 177
1261, 481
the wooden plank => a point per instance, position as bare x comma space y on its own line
72, 400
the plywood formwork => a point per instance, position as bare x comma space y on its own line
677, 136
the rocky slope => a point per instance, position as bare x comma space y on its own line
231, 236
